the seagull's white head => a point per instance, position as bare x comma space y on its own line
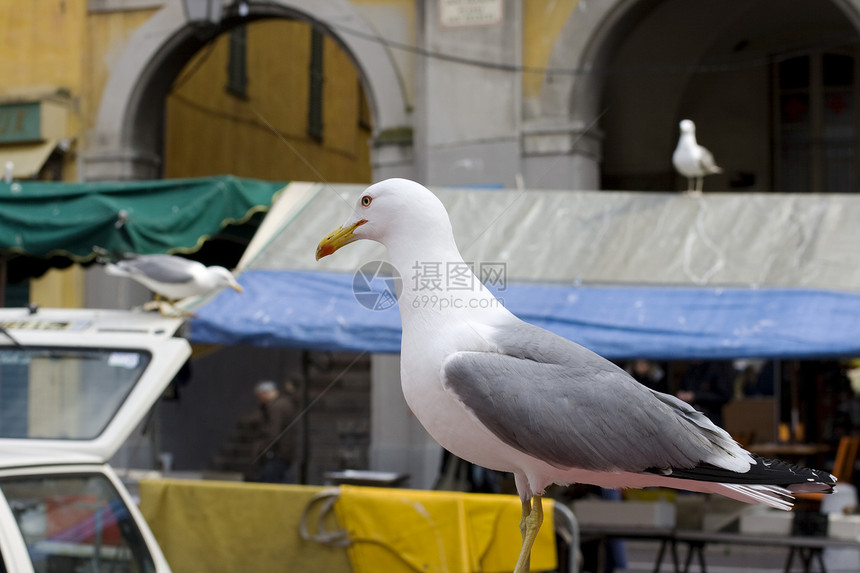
687, 126
224, 278
393, 211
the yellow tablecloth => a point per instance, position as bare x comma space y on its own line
399, 530
229, 527
232, 527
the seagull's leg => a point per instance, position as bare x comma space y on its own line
169, 309
165, 308
699, 183
524, 559
529, 527
690, 185
182, 313
154, 304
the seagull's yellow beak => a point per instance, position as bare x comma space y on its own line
237, 287
338, 238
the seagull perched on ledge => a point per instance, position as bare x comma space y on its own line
691, 159
509, 396
170, 277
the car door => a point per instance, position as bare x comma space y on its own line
73, 386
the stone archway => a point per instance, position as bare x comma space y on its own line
568, 109
125, 143
573, 102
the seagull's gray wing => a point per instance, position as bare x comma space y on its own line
707, 162
160, 268
561, 403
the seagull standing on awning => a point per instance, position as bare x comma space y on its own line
510, 396
171, 277
691, 159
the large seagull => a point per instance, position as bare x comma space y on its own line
510, 396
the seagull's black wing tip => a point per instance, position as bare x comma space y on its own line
794, 478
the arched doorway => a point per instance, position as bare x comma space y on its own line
127, 140
642, 65
769, 85
274, 99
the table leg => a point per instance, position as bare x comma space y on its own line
660, 553
674, 549
807, 554
699, 549
690, 549
789, 560
820, 553
702, 557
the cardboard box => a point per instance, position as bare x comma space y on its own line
768, 522
844, 526
624, 513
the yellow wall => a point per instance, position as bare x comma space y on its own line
543, 21
41, 54
210, 131
46, 37
57, 43
59, 288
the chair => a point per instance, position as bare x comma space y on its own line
843, 464
846, 457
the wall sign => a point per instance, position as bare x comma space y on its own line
456, 13
20, 122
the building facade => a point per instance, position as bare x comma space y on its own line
554, 94
569, 95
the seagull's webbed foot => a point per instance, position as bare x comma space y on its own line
694, 188
167, 308
529, 527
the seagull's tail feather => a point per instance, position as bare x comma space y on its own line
106, 257
771, 495
115, 271
762, 472
771, 482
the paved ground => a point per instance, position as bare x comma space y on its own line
718, 559
736, 559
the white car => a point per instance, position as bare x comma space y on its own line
73, 386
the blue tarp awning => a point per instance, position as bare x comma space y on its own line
630, 275
317, 310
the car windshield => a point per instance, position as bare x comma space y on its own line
64, 393
76, 523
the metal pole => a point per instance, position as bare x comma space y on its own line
2, 280
306, 426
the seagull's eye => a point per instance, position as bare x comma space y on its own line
365, 201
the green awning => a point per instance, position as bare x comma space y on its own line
61, 222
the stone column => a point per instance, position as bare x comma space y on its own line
398, 441
468, 114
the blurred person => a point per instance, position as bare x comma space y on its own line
748, 375
649, 374
276, 442
708, 386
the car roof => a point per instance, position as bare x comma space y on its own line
11, 457
45, 323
